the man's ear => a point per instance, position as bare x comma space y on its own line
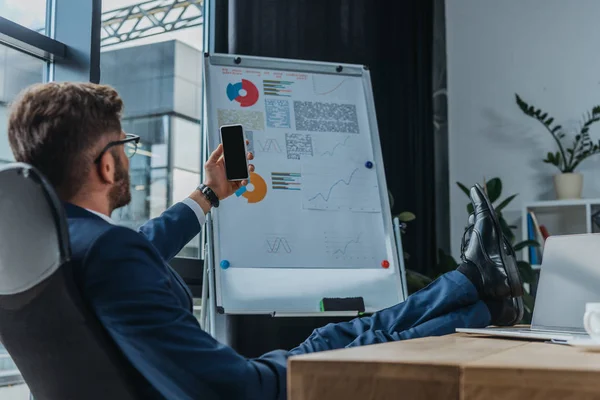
106, 168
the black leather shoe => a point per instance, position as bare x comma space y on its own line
489, 251
512, 312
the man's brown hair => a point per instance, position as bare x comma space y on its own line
55, 127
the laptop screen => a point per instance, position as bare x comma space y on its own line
569, 278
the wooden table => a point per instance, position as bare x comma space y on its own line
450, 367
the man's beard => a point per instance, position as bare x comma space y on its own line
120, 194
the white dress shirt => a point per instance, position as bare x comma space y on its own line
187, 201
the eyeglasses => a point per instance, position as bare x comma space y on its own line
131, 143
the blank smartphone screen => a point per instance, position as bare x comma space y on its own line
234, 152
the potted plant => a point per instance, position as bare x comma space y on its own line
568, 183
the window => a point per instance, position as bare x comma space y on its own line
156, 66
17, 71
158, 75
30, 14
28, 56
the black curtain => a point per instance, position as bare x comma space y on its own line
395, 40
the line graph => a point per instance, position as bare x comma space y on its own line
330, 89
278, 244
339, 181
269, 146
331, 152
330, 186
343, 251
347, 248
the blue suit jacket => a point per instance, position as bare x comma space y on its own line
147, 309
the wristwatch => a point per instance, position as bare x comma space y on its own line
209, 194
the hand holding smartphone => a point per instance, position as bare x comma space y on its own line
235, 152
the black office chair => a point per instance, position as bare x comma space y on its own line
53, 337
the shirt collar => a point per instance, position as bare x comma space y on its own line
104, 217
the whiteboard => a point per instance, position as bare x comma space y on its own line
315, 219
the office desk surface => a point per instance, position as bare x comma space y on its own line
450, 367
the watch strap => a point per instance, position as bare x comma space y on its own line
209, 194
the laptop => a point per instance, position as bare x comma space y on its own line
569, 278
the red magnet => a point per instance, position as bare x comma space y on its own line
385, 264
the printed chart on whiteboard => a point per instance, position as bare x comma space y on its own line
340, 187
314, 194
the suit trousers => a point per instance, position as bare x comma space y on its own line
449, 302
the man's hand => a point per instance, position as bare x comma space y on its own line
215, 177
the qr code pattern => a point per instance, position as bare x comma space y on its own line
278, 113
297, 145
253, 120
325, 117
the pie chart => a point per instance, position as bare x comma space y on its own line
244, 92
259, 188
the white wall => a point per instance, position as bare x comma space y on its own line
545, 50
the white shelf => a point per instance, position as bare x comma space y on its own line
561, 217
562, 203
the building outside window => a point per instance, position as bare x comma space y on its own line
159, 77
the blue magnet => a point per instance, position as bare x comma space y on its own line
224, 264
369, 164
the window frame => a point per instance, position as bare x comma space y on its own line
30, 42
72, 44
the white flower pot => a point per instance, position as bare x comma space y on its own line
568, 186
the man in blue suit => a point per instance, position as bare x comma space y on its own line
72, 134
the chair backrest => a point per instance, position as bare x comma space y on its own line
57, 343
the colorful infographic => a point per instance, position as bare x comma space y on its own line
315, 171
256, 189
243, 92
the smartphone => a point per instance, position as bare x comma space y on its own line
235, 152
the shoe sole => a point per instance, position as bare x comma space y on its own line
512, 273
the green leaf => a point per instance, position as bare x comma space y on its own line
549, 122
406, 216
543, 117
494, 189
522, 105
526, 271
463, 188
556, 128
505, 202
470, 208
525, 243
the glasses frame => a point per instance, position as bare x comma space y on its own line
129, 138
